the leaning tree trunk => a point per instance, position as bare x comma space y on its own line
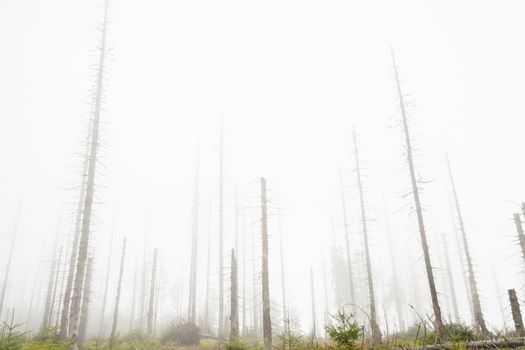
85, 304
90, 188
347, 246
438, 321
152, 294
234, 300
476, 303
267, 322
376, 332
117, 298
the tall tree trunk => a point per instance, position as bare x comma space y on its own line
49, 293
152, 294
90, 187
194, 246
8, 266
326, 303
312, 294
281, 251
516, 313
476, 303
267, 322
234, 301
347, 246
144, 286
451, 282
84, 313
244, 318
395, 279
438, 321
254, 289
55, 287
108, 269
207, 300
376, 332
117, 298
221, 238
31, 301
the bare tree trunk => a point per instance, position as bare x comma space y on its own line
281, 251
207, 300
55, 287
521, 236
347, 246
117, 299
244, 319
516, 313
254, 289
221, 239
152, 294
49, 294
234, 302
397, 289
376, 332
8, 266
108, 269
133, 298
476, 303
90, 188
438, 321
314, 316
451, 282
144, 286
326, 304
267, 322
194, 245
85, 305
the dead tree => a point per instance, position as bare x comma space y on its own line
152, 294
451, 281
221, 238
194, 246
108, 269
117, 298
254, 288
314, 317
521, 236
476, 303
283, 285
207, 300
85, 304
234, 300
133, 298
78, 289
244, 319
267, 322
347, 246
326, 304
48, 310
376, 332
55, 288
516, 313
8, 266
395, 280
438, 321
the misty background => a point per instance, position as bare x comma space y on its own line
289, 80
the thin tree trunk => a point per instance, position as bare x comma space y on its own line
49, 294
347, 246
90, 188
8, 266
144, 287
194, 246
85, 305
267, 322
244, 318
207, 300
451, 282
326, 303
35, 283
133, 298
376, 332
117, 299
516, 313
55, 287
152, 294
521, 236
314, 317
476, 303
254, 289
108, 269
221, 239
281, 251
438, 321
234, 302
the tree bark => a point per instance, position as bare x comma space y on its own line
516, 313
267, 322
234, 301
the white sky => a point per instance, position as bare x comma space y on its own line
290, 79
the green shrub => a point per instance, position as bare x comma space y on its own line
236, 344
460, 332
289, 339
344, 332
182, 333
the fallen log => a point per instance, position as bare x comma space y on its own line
480, 344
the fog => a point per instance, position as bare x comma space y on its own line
284, 83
